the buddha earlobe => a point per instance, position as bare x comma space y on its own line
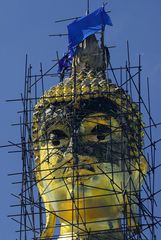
50, 222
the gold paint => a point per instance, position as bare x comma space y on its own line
98, 195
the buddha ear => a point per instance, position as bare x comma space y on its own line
140, 170
143, 165
49, 212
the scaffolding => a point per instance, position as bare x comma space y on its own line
108, 141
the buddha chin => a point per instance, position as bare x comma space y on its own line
84, 194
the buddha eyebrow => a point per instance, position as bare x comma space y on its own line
94, 119
49, 123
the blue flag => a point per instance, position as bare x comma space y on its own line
82, 28
65, 62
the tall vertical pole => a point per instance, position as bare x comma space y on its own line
88, 7
103, 50
152, 149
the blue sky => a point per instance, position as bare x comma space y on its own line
25, 26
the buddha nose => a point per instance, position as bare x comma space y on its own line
71, 156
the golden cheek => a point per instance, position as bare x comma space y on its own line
50, 156
55, 158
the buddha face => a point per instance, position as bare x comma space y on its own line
85, 163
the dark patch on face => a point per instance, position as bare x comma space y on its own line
104, 152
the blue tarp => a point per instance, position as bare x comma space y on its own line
79, 30
84, 27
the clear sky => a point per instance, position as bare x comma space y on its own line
24, 28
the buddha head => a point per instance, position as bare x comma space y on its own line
88, 138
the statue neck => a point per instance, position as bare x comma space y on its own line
109, 235
106, 230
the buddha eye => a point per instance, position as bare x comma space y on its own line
101, 131
58, 137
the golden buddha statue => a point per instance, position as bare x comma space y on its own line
88, 136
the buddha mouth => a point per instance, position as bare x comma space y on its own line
79, 174
78, 168
86, 167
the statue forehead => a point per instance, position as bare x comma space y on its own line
65, 112
62, 115
82, 108
115, 103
